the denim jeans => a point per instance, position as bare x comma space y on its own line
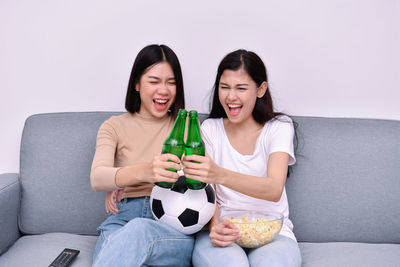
133, 238
282, 251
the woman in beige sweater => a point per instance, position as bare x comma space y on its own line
128, 157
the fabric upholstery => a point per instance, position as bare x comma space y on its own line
56, 156
9, 206
345, 185
41, 250
349, 254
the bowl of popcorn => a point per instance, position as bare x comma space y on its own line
256, 229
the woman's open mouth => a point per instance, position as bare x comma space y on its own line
160, 104
234, 109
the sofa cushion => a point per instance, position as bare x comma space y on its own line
345, 185
56, 154
41, 250
349, 254
9, 205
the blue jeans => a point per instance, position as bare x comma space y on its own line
282, 251
133, 238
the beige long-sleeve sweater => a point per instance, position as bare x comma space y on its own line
126, 140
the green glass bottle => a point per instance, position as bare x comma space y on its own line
174, 143
194, 146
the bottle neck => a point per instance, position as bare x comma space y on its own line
178, 130
194, 131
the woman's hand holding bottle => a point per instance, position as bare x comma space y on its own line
159, 166
201, 168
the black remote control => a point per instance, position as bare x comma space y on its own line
65, 258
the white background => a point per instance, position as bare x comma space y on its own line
325, 58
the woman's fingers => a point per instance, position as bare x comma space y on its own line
166, 174
194, 170
220, 243
163, 175
163, 166
202, 175
166, 161
119, 195
225, 238
107, 200
223, 241
113, 208
170, 165
113, 205
189, 158
224, 233
110, 202
198, 178
169, 156
227, 228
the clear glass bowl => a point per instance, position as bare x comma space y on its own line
256, 229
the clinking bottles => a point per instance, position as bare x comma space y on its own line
194, 146
174, 143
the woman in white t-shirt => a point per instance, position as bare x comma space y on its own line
249, 149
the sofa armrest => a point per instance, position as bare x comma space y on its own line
9, 207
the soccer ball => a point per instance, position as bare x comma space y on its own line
184, 209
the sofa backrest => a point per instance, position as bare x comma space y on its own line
56, 154
345, 185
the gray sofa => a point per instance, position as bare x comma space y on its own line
344, 192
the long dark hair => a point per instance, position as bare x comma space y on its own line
254, 66
148, 56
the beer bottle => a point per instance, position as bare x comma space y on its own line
174, 143
194, 146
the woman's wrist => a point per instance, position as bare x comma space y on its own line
142, 172
221, 174
214, 220
116, 180
131, 175
211, 224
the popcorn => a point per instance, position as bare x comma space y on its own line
256, 232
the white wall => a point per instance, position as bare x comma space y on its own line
325, 58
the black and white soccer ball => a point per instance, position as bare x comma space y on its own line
182, 208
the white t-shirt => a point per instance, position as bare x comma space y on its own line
276, 136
